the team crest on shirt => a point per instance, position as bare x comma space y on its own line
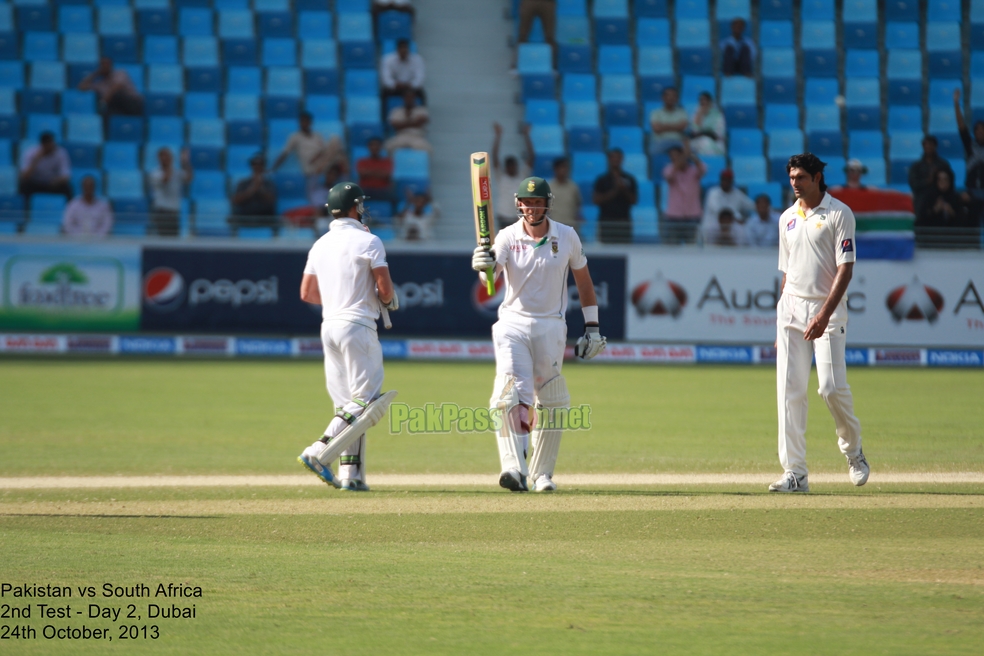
554, 247
791, 224
847, 246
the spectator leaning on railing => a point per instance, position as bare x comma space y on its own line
166, 189
86, 215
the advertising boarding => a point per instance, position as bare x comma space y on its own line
69, 286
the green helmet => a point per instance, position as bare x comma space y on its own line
342, 197
534, 187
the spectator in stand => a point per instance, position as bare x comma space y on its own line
726, 196
376, 172
408, 122
682, 217
726, 232
45, 169
763, 228
507, 178
255, 202
166, 189
401, 71
615, 192
973, 150
379, 6
546, 11
945, 219
707, 128
117, 93
86, 215
738, 51
922, 173
565, 207
668, 123
854, 170
315, 153
417, 217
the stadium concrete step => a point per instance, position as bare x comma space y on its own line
465, 47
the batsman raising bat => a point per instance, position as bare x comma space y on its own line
534, 255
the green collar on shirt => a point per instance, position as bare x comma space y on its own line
542, 241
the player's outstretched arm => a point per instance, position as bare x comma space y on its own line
592, 342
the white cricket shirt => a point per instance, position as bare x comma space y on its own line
343, 260
813, 244
535, 270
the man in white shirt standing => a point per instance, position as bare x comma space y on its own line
86, 215
816, 256
400, 71
315, 153
347, 274
166, 187
534, 255
726, 196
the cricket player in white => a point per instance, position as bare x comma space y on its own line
816, 256
534, 254
347, 274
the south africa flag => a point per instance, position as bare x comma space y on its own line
884, 222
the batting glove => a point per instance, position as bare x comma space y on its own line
590, 344
482, 259
394, 303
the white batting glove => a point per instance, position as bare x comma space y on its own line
482, 260
394, 303
590, 344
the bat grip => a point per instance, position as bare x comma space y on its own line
490, 281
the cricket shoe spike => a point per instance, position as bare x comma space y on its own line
352, 485
513, 480
790, 482
544, 483
857, 469
319, 470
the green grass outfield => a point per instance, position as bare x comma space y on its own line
890, 568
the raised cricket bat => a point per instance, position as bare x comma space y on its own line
482, 197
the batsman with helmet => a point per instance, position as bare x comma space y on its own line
534, 255
347, 274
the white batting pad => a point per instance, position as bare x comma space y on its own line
512, 445
372, 415
548, 431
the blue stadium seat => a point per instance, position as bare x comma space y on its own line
818, 35
240, 106
649, 8
905, 119
6, 18
542, 112
161, 104
651, 86
160, 50
647, 194
393, 25
773, 190
613, 60
35, 18
902, 34
236, 24
826, 143
861, 35
314, 25
290, 185
784, 143
573, 29
165, 78
905, 92
167, 129
119, 156
620, 114
245, 79
46, 210
823, 118
637, 165
358, 108
611, 30
629, 139
125, 184
203, 78
694, 33
581, 113
321, 81
587, 166
749, 169
905, 146
684, 9
122, 49
693, 86
725, 10
778, 63
39, 102
84, 128
361, 83
10, 127
115, 20
745, 142
126, 128
776, 34
942, 36
279, 52
276, 24
815, 10
822, 91
547, 139
155, 21
77, 102
950, 147
358, 54
200, 51
206, 132
652, 32
239, 52
353, 27
8, 102
865, 144
40, 46
244, 132
656, 61
11, 75
946, 64
943, 10
575, 58
534, 58
205, 158
578, 87
779, 89
736, 90
195, 21
782, 116
209, 184
618, 89
904, 64
75, 19
864, 117
201, 104
820, 63
941, 92
695, 61
283, 107
906, 10
319, 53
38, 123
541, 87
942, 121
862, 63
9, 46
741, 116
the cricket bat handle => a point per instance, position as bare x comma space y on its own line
490, 281
387, 324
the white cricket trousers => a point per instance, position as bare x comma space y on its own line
530, 350
793, 359
353, 372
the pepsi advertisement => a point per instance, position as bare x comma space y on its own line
257, 292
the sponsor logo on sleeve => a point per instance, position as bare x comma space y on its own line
847, 246
791, 224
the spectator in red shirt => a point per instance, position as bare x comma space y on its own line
376, 172
683, 210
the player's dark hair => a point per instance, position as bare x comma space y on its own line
809, 163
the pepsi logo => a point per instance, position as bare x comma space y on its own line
163, 289
485, 304
659, 296
915, 302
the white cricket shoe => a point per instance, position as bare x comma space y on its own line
352, 485
790, 482
513, 480
857, 469
543, 483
